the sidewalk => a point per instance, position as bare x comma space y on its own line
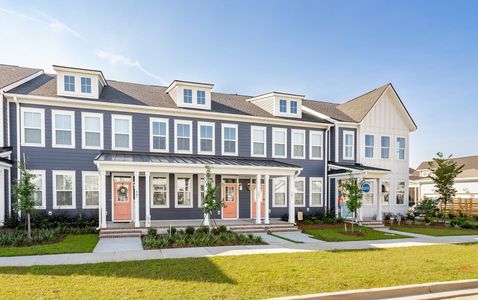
106, 253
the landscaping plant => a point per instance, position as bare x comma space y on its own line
24, 189
352, 190
210, 204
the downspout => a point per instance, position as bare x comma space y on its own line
17, 108
326, 173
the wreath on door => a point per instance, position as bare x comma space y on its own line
123, 191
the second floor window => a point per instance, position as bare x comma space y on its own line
279, 142
348, 145
293, 107
316, 141
201, 97
122, 135
86, 85
385, 147
206, 138
283, 106
400, 148
298, 143
63, 129
33, 127
159, 135
188, 96
258, 136
369, 145
92, 125
183, 137
229, 139
69, 82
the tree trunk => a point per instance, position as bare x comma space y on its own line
29, 228
353, 221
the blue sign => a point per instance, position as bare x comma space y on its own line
366, 187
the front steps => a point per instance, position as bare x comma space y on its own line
120, 233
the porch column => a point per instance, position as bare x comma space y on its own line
102, 212
148, 199
291, 200
379, 200
266, 199
136, 199
258, 199
2, 197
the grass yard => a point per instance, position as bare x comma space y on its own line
435, 230
336, 234
243, 277
77, 243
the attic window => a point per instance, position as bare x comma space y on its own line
188, 96
69, 83
283, 106
86, 85
293, 107
201, 97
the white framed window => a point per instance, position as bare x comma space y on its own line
279, 142
39, 196
92, 130
315, 191
385, 147
64, 195
122, 135
258, 141
33, 127
229, 139
385, 192
298, 143
183, 142
293, 107
401, 186
369, 145
160, 191
69, 83
279, 192
425, 173
206, 137
401, 148
349, 144
184, 191
188, 96
202, 188
86, 85
201, 97
316, 141
63, 128
283, 106
91, 189
159, 132
299, 191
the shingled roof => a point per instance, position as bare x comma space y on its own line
10, 74
470, 168
358, 107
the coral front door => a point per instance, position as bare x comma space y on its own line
122, 193
253, 203
229, 194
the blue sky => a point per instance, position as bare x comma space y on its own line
326, 50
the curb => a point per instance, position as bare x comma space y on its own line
392, 292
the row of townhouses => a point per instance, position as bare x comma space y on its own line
137, 153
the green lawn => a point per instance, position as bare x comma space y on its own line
70, 244
435, 231
335, 234
243, 277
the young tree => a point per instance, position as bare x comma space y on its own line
210, 204
24, 189
352, 190
444, 171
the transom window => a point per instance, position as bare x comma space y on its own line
349, 145
33, 122
229, 139
298, 143
184, 191
188, 96
299, 191
69, 83
92, 125
315, 192
400, 192
206, 138
279, 140
385, 192
283, 106
91, 189
63, 129
201, 97
64, 190
39, 196
160, 190
369, 145
400, 148
293, 107
86, 85
183, 133
385, 147
258, 141
316, 145
279, 187
159, 135
122, 135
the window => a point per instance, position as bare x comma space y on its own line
64, 190
33, 127
368, 197
258, 141
279, 186
279, 141
369, 145
425, 173
206, 138
298, 143
385, 191
39, 196
184, 190
316, 142
283, 106
86, 85
315, 192
63, 124
69, 82
348, 145
299, 191
122, 136
293, 107
159, 130
188, 96
201, 97
160, 191
92, 126
401, 192
183, 136
229, 139
91, 189
385, 147
400, 148
202, 189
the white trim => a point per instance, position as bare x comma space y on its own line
152, 176
275, 130
83, 129
303, 192
236, 179
321, 179
20, 82
344, 134
223, 127
389, 146
191, 190
41, 111
42, 174
151, 135
321, 138
112, 177
73, 185
365, 145
397, 149
299, 131
129, 118
83, 188
264, 130
184, 122
274, 181
213, 138
54, 114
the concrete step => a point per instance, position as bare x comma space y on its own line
285, 230
119, 233
112, 236
248, 230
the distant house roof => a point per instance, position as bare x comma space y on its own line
10, 74
470, 169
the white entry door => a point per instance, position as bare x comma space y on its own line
369, 202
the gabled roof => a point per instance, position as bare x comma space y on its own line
10, 74
470, 168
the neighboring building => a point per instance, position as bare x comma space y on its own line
137, 153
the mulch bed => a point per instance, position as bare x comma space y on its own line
193, 246
56, 239
318, 226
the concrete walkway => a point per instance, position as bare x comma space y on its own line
129, 249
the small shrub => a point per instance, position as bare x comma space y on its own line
152, 233
308, 222
317, 221
222, 228
190, 230
172, 230
203, 229
285, 217
340, 219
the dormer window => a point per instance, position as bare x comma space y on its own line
86, 85
293, 107
191, 94
201, 97
283, 106
188, 96
69, 83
